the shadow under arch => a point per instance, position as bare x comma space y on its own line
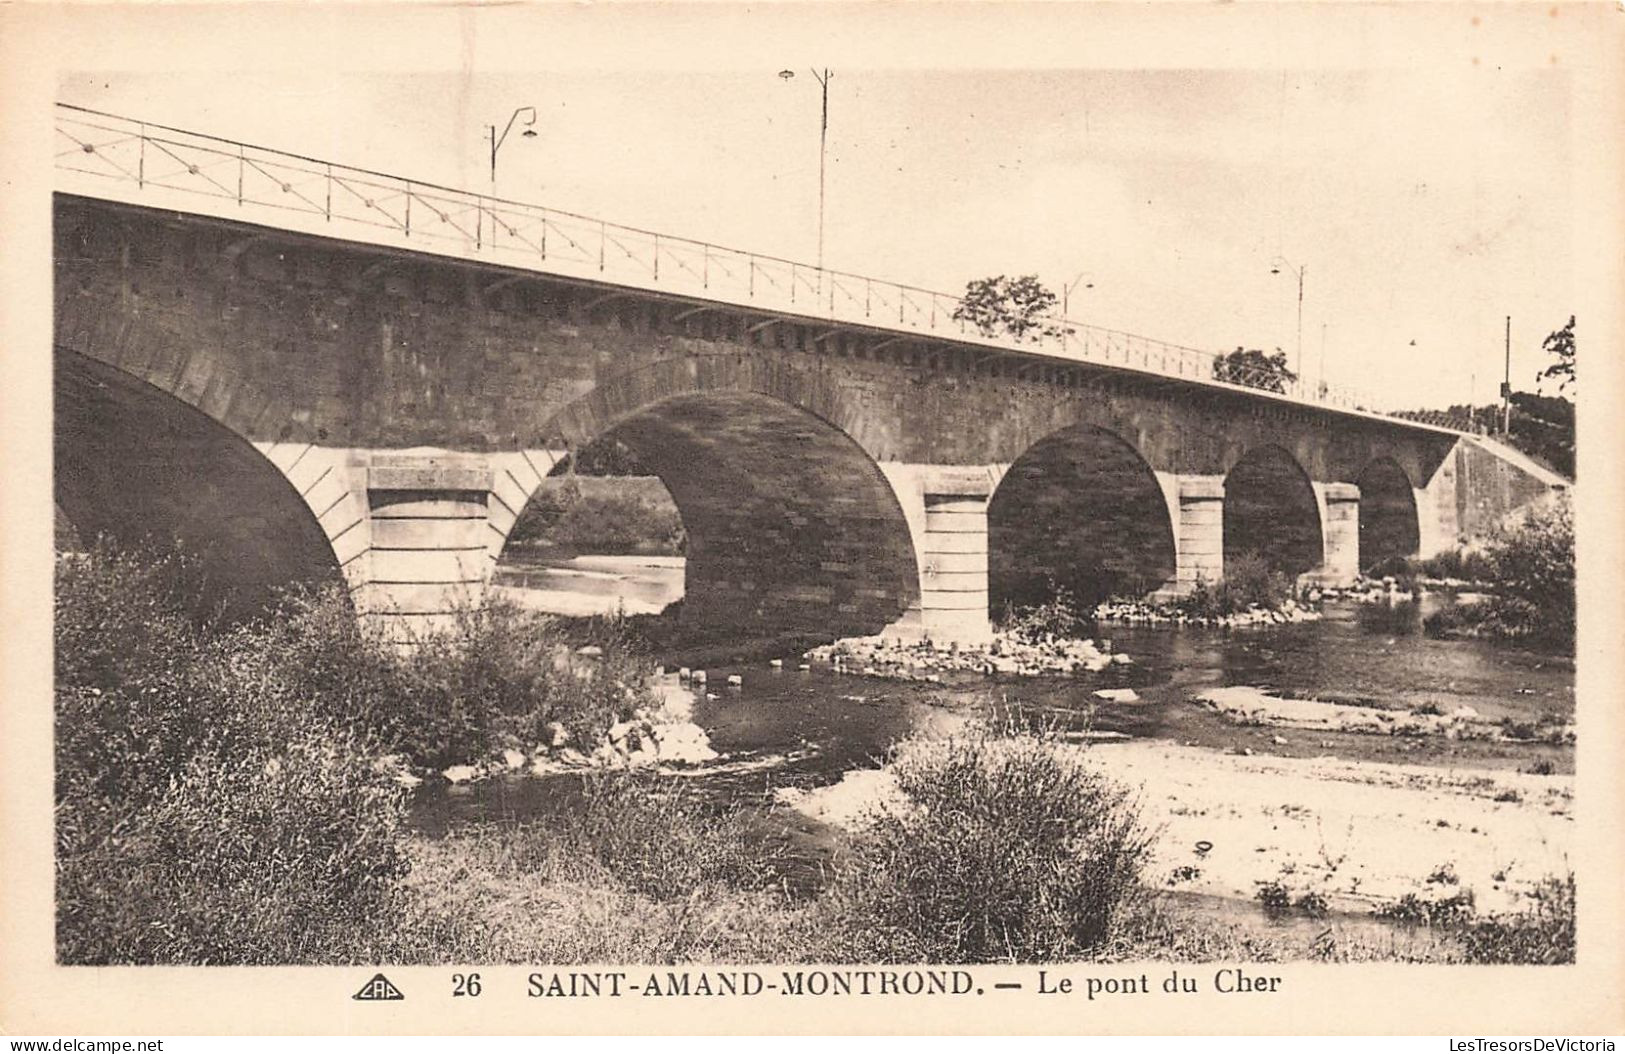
139, 465
1270, 511
792, 529
1389, 525
1080, 509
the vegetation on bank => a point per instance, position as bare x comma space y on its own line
223, 796
1529, 568
611, 516
1248, 585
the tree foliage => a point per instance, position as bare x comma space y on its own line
1254, 369
1019, 307
1560, 343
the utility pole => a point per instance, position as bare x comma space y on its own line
823, 142
823, 145
1506, 385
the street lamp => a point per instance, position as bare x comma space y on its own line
823, 140
1275, 268
1066, 293
498, 140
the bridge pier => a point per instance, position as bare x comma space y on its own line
1340, 534
428, 559
946, 510
1198, 531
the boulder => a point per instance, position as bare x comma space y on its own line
460, 773
1118, 695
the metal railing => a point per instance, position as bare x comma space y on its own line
196, 172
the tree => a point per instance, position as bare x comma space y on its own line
1560, 343
1020, 307
1254, 369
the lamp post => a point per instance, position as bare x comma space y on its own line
823, 141
498, 140
1275, 268
1066, 293
1066, 306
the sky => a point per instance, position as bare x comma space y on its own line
1159, 165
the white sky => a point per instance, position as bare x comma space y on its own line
1427, 195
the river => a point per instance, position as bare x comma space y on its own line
791, 728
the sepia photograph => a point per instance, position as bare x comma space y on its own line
635, 493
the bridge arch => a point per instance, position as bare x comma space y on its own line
137, 463
1271, 511
792, 527
1389, 524
1083, 510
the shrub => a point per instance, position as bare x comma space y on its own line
1544, 935
1008, 850
1248, 582
498, 680
662, 840
1531, 569
1274, 898
206, 810
219, 796
1057, 617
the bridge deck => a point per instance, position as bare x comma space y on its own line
115, 158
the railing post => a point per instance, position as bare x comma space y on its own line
792, 281
240, 164
750, 284
479, 223
408, 220
544, 234
327, 211
603, 239
657, 257
141, 160
705, 266
867, 290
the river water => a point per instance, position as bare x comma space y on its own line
788, 727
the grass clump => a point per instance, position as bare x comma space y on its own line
1007, 850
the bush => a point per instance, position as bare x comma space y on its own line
206, 810
1531, 568
1467, 565
1248, 582
1008, 850
220, 790
1056, 617
497, 681
662, 841
1542, 936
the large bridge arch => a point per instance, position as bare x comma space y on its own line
792, 527
1271, 511
1389, 523
138, 464
1080, 509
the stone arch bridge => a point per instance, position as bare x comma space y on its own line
299, 406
